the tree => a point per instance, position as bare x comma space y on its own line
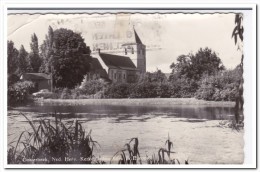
66, 56
222, 86
23, 60
47, 52
181, 68
34, 58
157, 76
12, 61
189, 69
205, 61
238, 31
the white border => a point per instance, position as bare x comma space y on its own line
249, 76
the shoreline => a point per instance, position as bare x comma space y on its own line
136, 102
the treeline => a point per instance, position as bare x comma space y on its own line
65, 55
201, 75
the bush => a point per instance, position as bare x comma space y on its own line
182, 88
76, 93
66, 94
139, 90
118, 90
165, 90
19, 92
144, 90
92, 86
220, 87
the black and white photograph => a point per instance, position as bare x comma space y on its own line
126, 86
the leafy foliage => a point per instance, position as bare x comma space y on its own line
12, 60
47, 52
144, 90
65, 94
118, 90
34, 57
222, 86
157, 76
66, 56
23, 61
205, 61
19, 92
239, 29
89, 87
190, 69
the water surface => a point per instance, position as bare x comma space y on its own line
113, 125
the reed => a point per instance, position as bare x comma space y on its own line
130, 149
55, 141
164, 155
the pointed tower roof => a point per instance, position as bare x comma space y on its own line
137, 39
133, 39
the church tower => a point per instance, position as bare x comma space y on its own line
137, 52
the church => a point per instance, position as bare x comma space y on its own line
124, 68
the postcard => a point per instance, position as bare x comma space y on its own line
140, 87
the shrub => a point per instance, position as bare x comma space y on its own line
144, 90
222, 86
139, 90
19, 92
165, 90
183, 88
92, 86
76, 93
118, 90
66, 94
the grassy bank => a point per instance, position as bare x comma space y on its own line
141, 102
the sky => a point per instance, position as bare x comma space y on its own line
166, 36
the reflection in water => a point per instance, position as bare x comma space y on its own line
122, 113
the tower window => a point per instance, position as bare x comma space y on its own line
115, 75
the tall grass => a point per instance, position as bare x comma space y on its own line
164, 155
129, 154
57, 142
53, 142
130, 149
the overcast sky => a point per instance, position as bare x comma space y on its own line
166, 35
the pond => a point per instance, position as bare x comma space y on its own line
114, 125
